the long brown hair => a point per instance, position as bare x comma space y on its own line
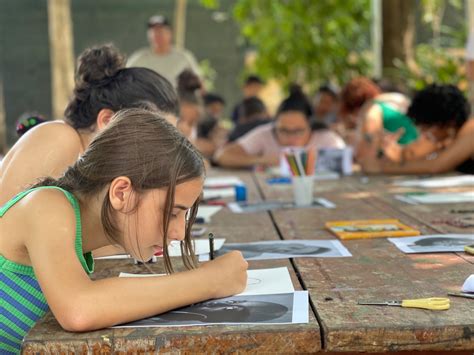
143, 146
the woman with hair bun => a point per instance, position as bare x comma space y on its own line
103, 87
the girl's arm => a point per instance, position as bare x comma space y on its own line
460, 150
233, 155
370, 130
80, 304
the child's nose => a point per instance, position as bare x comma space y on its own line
177, 231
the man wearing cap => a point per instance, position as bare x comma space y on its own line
162, 56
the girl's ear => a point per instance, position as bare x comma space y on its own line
122, 195
103, 118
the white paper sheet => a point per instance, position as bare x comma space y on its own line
449, 181
435, 198
259, 281
436, 243
219, 193
224, 181
468, 285
282, 249
268, 281
252, 207
206, 212
201, 246
112, 257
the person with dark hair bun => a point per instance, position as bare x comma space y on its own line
292, 127
103, 86
446, 143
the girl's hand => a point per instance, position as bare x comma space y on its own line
228, 274
392, 150
268, 160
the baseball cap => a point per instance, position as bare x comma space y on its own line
158, 20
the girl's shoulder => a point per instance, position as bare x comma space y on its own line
467, 128
42, 214
54, 129
46, 208
50, 135
46, 201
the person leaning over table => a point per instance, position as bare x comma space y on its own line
103, 86
292, 127
367, 112
441, 113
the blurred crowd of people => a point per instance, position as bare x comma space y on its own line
389, 131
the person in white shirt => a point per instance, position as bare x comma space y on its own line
161, 56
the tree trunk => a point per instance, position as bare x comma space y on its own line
398, 34
180, 23
61, 53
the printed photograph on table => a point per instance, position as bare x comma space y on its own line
282, 308
334, 160
282, 249
248, 207
437, 243
371, 228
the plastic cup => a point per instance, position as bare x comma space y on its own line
303, 190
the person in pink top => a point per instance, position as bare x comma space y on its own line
292, 127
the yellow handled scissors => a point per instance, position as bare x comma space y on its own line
434, 303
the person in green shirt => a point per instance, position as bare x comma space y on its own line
371, 113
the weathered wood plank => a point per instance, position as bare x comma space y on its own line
377, 270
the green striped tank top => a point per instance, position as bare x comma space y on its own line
22, 301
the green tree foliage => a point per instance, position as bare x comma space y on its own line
438, 61
307, 41
433, 65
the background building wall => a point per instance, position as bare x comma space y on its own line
24, 45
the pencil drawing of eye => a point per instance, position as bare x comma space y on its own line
253, 281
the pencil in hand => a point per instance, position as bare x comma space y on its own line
211, 246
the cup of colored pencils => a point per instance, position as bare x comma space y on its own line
302, 165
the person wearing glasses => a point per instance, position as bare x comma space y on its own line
446, 143
292, 127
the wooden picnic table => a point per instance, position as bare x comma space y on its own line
376, 270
